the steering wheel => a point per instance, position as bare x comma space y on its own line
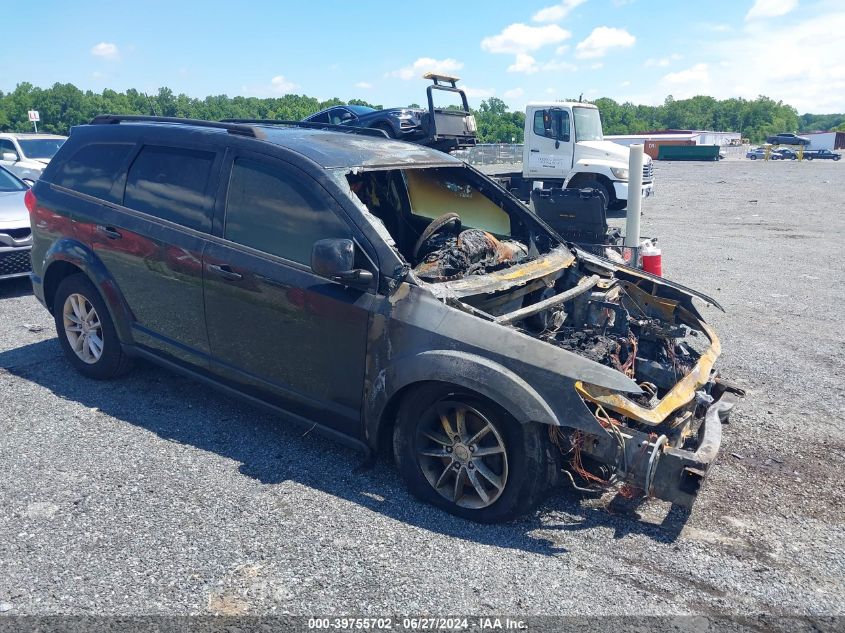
435, 227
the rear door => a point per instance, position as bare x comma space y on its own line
276, 329
152, 245
550, 146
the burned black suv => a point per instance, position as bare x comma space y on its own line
389, 294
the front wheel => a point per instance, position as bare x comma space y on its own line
85, 330
753, 157
467, 455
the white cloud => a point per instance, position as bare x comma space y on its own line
556, 12
280, 85
364, 85
514, 93
524, 64
602, 39
696, 75
521, 38
106, 50
559, 65
425, 65
806, 69
625, 84
770, 9
597, 66
663, 62
562, 50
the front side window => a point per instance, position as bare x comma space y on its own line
278, 212
93, 169
171, 183
7, 147
552, 123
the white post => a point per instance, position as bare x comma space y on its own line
35, 125
635, 187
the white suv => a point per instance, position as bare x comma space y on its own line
26, 155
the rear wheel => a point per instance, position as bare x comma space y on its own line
85, 330
467, 455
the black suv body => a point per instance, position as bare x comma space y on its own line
387, 292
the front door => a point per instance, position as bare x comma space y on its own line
550, 146
276, 329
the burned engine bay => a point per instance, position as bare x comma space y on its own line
490, 257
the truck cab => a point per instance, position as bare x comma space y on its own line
565, 147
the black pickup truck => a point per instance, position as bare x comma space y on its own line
821, 154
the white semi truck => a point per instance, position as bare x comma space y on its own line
564, 147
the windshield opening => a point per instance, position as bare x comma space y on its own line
41, 147
587, 124
9, 183
448, 223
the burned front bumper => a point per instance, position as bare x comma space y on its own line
647, 452
676, 475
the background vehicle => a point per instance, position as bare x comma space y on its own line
784, 153
821, 154
26, 155
787, 139
756, 153
402, 123
564, 147
15, 232
386, 293
445, 129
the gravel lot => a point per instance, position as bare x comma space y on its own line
155, 495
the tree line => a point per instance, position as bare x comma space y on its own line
64, 105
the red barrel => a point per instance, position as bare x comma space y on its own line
652, 258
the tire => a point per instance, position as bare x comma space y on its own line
387, 129
88, 339
809, 158
504, 483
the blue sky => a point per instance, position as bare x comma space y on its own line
519, 51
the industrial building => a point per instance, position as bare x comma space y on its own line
654, 139
826, 140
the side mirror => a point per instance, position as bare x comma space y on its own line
10, 156
335, 258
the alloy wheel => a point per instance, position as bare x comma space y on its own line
82, 328
462, 454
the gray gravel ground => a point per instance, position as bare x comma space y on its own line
156, 495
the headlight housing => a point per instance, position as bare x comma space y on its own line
620, 173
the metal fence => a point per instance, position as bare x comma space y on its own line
491, 154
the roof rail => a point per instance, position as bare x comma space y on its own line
366, 131
230, 127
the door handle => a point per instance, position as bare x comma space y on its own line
225, 272
109, 231
535, 151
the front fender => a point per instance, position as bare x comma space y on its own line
461, 369
74, 252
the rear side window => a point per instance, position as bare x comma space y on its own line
93, 169
171, 183
277, 212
